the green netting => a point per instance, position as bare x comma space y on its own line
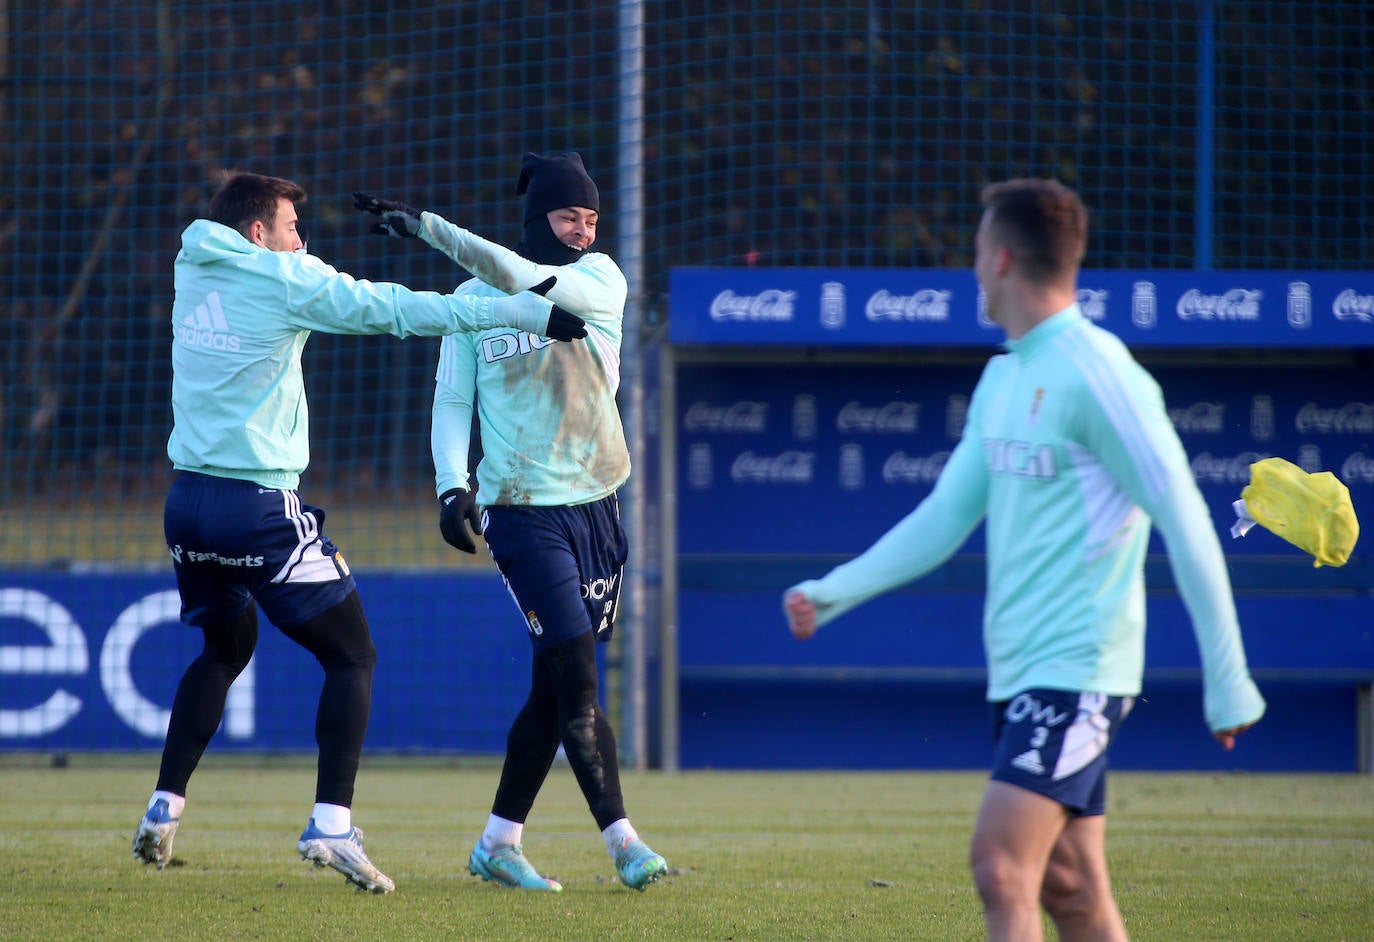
1226, 134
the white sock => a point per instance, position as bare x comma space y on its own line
617, 833
332, 819
176, 804
501, 833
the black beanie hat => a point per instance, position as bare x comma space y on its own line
551, 183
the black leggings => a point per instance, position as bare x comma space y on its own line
341, 642
562, 708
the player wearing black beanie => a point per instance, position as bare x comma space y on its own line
550, 183
544, 494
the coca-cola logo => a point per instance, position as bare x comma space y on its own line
901, 468
1238, 304
771, 305
928, 304
890, 417
1358, 469
1093, 303
1350, 306
1221, 469
1353, 418
743, 416
1200, 418
789, 467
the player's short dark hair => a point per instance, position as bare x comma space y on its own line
245, 198
1042, 222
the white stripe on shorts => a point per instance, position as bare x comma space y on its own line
307, 562
1086, 738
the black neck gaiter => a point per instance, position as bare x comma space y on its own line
541, 247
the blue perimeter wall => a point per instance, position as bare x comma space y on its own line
93, 658
785, 469
784, 466
813, 408
897, 684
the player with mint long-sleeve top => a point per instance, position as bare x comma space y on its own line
241, 318
240, 536
551, 431
1069, 453
1069, 458
553, 457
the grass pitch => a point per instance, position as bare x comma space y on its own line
753, 856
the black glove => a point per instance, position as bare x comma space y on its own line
457, 506
563, 325
398, 219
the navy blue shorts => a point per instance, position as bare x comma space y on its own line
1054, 743
562, 565
233, 541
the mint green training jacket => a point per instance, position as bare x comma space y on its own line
550, 427
240, 319
1070, 456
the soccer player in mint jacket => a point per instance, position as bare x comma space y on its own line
554, 456
247, 298
1069, 455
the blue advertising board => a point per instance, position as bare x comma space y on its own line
824, 456
813, 409
785, 468
91, 660
889, 307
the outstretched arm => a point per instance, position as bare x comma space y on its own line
319, 297
593, 289
578, 296
922, 540
495, 264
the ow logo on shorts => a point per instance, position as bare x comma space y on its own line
598, 589
1028, 707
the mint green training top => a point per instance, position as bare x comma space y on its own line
1070, 455
240, 319
550, 427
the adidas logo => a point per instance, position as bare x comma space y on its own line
1029, 761
208, 327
